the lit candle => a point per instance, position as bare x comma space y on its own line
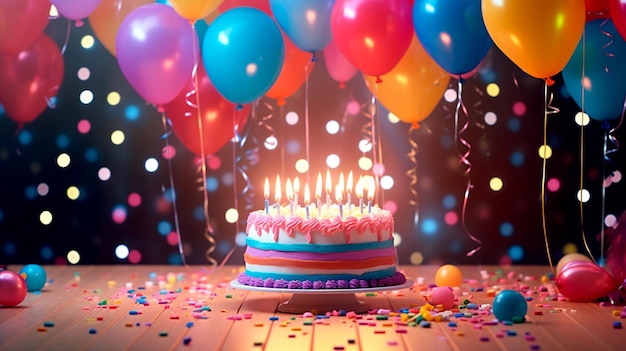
318, 194
266, 194
339, 199
278, 194
307, 199
296, 191
329, 188
371, 188
359, 193
289, 193
349, 190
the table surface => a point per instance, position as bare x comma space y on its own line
142, 307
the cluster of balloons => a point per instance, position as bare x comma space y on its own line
407, 50
31, 64
580, 279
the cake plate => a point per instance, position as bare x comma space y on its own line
322, 300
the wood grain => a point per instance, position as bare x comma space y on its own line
124, 307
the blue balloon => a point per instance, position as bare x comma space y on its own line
305, 22
453, 33
605, 71
35, 277
509, 305
243, 53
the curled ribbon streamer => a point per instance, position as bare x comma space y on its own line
243, 160
369, 133
165, 136
263, 121
608, 137
412, 174
608, 43
463, 158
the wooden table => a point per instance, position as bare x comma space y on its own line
125, 307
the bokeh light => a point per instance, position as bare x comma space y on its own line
292, 118
45, 217
87, 41
545, 151
583, 195
73, 193
117, 137
114, 98
121, 252
493, 89
73, 257
86, 97
496, 184
332, 127
231, 215
151, 165
63, 160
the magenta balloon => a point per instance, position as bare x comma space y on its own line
585, 281
337, 65
155, 51
75, 9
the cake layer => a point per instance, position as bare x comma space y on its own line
309, 274
333, 256
251, 242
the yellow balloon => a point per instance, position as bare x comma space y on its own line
106, 19
194, 10
413, 88
539, 36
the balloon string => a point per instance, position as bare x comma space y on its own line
548, 110
208, 231
67, 37
307, 131
463, 157
375, 145
167, 132
582, 150
412, 174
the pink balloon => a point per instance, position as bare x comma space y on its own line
585, 281
337, 65
155, 51
75, 9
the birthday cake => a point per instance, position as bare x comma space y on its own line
320, 248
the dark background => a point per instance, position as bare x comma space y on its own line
507, 222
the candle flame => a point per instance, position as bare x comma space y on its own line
289, 190
338, 194
349, 183
371, 188
278, 194
329, 183
266, 189
296, 185
359, 188
318, 186
307, 194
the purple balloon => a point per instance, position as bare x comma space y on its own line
75, 9
155, 51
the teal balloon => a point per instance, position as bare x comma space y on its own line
306, 22
453, 33
243, 53
603, 53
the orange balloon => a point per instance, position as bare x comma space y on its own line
449, 275
413, 88
539, 36
293, 74
106, 19
194, 10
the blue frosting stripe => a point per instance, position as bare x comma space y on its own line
323, 277
317, 247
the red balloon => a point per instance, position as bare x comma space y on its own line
218, 116
585, 281
21, 22
30, 78
617, 10
263, 5
596, 9
372, 34
292, 75
12, 289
